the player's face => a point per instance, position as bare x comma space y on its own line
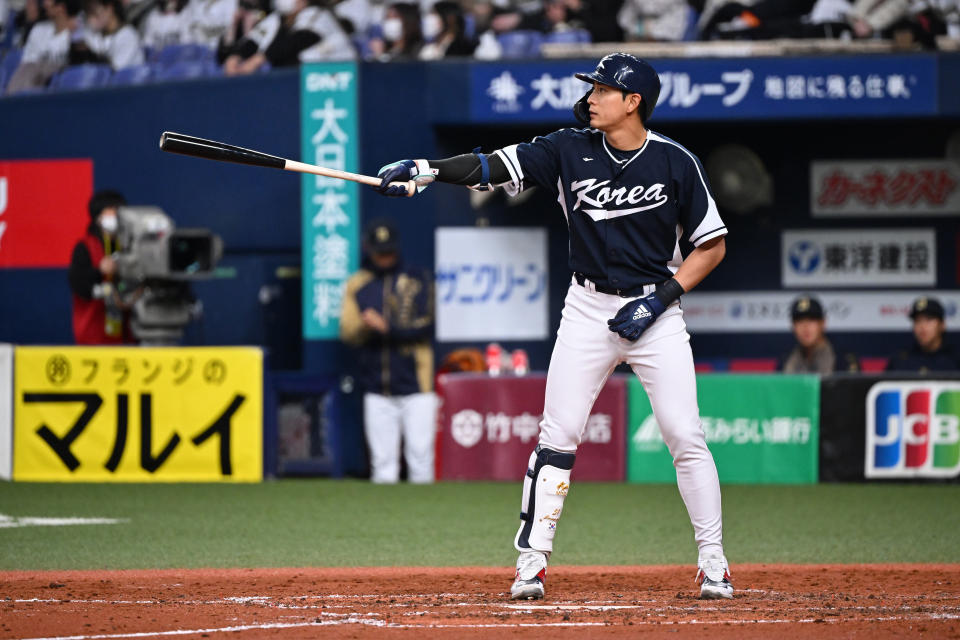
928, 332
808, 332
608, 107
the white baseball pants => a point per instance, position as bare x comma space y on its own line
586, 353
385, 420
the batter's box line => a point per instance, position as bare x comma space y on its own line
381, 623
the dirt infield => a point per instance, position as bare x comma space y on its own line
821, 601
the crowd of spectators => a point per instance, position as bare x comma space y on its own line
245, 36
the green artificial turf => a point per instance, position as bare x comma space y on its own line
299, 523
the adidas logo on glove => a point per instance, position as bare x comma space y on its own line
641, 312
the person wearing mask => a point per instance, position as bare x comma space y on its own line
402, 34
47, 48
930, 351
99, 316
297, 31
108, 38
388, 316
443, 28
813, 352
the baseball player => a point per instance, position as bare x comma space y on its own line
644, 229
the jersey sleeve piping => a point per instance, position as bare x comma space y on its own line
512, 162
709, 235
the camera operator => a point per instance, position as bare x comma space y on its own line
99, 315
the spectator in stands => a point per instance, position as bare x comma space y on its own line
48, 46
165, 25
929, 352
443, 28
402, 34
766, 19
871, 17
108, 39
388, 316
297, 31
813, 352
554, 15
654, 20
599, 17
248, 14
99, 317
29, 15
207, 21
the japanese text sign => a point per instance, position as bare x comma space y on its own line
43, 210
489, 426
885, 188
859, 257
760, 429
721, 88
491, 284
138, 414
330, 207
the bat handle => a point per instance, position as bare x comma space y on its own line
411, 188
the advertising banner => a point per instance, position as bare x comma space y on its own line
6, 411
885, 188
735, 88
489, 426
329, 207
859, 257
43, 210
913, 430
491, 284
761, 429
129, 414
769, 311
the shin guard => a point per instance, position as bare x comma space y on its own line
544, 488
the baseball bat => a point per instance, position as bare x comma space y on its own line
222, 152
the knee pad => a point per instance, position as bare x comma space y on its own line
544, 488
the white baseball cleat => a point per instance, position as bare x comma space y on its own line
531, 573
713, 576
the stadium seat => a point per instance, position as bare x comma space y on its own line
518, 45
691, 33
571, 36
134, 75
185, 70
173, 53
9, 30
83, 76
9, 64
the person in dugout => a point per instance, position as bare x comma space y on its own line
388, 315
99, 315
930, 351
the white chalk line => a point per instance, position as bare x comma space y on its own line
384, 624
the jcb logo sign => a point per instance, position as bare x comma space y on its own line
913, 430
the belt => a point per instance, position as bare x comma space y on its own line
631, 292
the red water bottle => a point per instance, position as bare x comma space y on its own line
494, 353
521, 363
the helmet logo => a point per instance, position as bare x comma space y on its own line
621, 75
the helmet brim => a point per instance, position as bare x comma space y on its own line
596, 77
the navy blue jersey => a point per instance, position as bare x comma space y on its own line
627, 214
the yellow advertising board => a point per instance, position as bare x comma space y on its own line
138, 414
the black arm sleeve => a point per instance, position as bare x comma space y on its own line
82, 274
285, 49
465, 169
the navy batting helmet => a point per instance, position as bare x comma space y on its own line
627, 73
